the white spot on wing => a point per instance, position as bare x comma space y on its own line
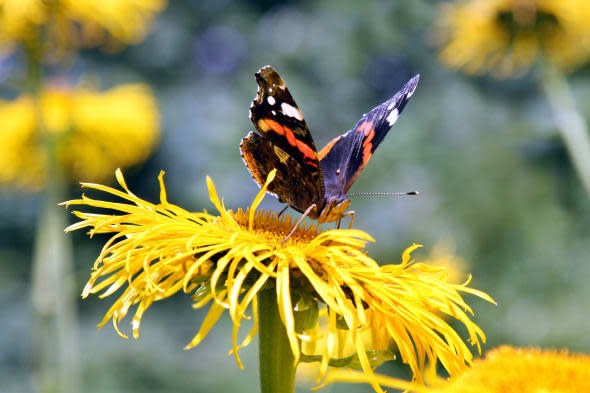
392, 118
390, 107
271, 100
291, 111
274, 113
270, 89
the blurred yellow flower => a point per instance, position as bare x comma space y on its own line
507, 370
91, 133
444, 261
19, 19
523, 370
77, 23
505, 37
320, 277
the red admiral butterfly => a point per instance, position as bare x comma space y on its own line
311, 182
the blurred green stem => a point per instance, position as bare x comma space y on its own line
54, 343
277, 368
568, 121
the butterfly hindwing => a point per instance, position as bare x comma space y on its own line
344, 158
293, 183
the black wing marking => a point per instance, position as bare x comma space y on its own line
344, 158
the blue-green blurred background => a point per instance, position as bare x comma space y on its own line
494, 178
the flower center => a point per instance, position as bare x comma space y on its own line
526, 17
272, 229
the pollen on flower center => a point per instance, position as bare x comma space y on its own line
273, 230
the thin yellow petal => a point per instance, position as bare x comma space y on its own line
212, 316
215, 199
259, 198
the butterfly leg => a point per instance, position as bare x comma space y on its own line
348, 213
282, 211
305, 214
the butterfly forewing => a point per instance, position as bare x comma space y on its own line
344, 158
284, 143
276, 116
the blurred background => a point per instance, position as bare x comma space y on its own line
499, 195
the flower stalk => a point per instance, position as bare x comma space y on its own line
54, 328
569, 122
277, 363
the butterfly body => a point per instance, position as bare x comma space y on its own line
307, 179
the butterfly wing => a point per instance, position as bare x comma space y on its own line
292, 183
284, 143
343, 159
276, 116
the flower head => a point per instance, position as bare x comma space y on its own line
320, 278
506, 369
523, 370
505, 37
85, 129
77, 23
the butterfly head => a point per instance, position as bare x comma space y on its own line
334, 208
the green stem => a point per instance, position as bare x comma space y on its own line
33, 54
277, 368
568, 121
53, 316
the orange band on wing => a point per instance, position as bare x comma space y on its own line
368, 144
366, 127
308, 152
328, 147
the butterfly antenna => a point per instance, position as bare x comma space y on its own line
384, 193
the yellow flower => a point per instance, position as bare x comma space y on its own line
19, 20
523, 370
84, 128
505, 37
77, 23
320, 277
445, 262
507, 370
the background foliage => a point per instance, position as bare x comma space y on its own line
493, 177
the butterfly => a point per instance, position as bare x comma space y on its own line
311, 182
